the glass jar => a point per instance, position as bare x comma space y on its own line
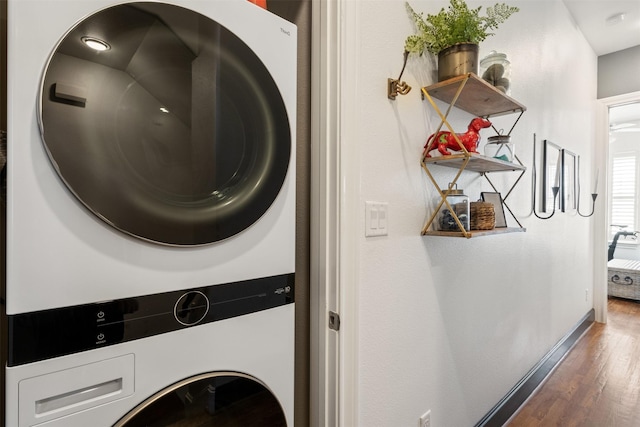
459, 202
499, 147
496, 69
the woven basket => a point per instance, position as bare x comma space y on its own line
483, 216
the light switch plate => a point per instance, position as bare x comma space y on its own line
376, 219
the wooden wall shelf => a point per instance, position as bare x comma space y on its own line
476, 233
473, 95
477, 163
478, 97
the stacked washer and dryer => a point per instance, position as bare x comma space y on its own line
150, 214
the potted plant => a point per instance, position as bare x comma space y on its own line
454, 34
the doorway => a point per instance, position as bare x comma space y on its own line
604, 218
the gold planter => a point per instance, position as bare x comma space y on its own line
457, 60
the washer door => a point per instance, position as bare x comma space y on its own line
173, 132
209, 400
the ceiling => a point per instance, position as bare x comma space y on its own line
606, 33
607, 37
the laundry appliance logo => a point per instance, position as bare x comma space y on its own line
285, 31
285, 290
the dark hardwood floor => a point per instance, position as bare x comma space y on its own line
598, 383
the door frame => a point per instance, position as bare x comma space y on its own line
334, 219
601, 154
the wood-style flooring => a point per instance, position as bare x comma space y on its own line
598, 383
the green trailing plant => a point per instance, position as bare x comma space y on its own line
456, 24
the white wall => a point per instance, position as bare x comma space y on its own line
448, 324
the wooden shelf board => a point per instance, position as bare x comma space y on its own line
478, 97
477, 163
476, 233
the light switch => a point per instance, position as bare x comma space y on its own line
382, 217
376, 219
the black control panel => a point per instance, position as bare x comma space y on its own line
50, 333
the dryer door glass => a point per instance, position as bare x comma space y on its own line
210, 400
165, 124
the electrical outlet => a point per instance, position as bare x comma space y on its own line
586, 295
425, 419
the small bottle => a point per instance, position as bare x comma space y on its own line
459, 202
496, 69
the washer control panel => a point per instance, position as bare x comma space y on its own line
191, 308
51, 333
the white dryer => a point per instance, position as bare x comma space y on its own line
150, 181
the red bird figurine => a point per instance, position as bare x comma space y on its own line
445, 139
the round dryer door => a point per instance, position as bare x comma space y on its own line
164, 124
209, 400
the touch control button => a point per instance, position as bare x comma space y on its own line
191, 308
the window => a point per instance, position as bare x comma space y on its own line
623, 191
624, 166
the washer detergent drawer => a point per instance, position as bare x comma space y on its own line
59, 394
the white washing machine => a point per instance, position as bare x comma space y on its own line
150, 211
216, 356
